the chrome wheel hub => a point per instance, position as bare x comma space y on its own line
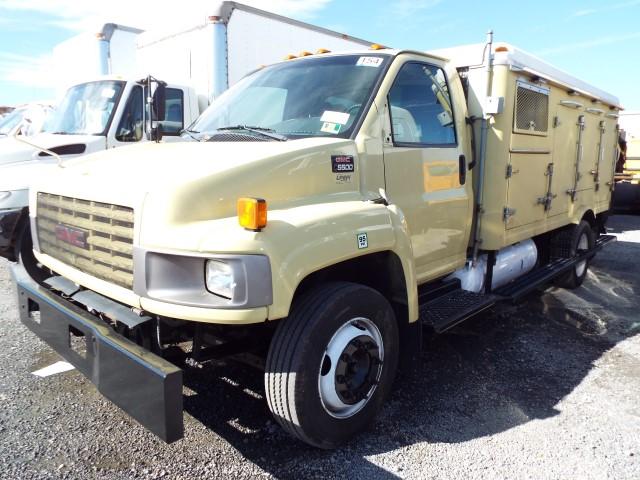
583, 244
351, 367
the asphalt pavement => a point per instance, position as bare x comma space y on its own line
548, 388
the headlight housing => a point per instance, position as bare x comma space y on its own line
220, 279
216, 281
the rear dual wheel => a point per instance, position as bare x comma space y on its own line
331, 363
572, 242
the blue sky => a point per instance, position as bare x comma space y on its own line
596, 41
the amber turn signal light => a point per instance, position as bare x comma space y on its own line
252, 213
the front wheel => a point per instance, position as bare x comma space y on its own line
332, 363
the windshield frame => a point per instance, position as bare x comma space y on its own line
18, 112
354, 129
112, 115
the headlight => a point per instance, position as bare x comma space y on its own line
4, 195
219, 278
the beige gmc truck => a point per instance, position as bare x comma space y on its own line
320, 214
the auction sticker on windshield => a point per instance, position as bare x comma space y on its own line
335, 117
369, 61
330, 127
108, 92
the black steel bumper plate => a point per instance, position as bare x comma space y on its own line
144, 385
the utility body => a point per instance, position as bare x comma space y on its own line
319, 215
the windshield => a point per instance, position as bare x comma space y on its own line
86, 109
11, 121
316, 96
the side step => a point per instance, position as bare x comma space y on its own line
450, 309
524, 285
444, 305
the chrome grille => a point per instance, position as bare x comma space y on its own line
106, 230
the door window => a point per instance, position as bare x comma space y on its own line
174, 112
420, 104
131, 124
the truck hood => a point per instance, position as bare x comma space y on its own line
191, 181
20, 176
14, 151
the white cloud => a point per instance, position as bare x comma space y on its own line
26, 71
584, 13
403, 9
607, 8
90, 14
596, 42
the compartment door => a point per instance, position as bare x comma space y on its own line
566, 138
526, 189
591, 142
608, 155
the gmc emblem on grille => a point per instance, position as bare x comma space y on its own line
71, 235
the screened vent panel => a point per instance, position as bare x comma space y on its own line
532, 109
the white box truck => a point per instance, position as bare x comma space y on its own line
103, 112
89, 55
235, 40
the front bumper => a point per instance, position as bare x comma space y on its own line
144, 385
9, 220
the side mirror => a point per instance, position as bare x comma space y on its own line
156, 133
159, 103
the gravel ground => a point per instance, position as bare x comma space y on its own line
549, 388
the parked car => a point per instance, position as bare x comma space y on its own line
14, 122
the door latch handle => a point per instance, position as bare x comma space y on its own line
462, 169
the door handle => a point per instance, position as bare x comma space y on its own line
462, 169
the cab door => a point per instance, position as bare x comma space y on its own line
425, 165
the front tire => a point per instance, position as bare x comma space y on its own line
332, 363
25, 256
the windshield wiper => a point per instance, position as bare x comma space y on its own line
267, 132
61, 133
190, 133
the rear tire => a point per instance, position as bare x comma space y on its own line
332, 363
568, 244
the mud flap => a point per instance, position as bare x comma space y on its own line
144, 385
